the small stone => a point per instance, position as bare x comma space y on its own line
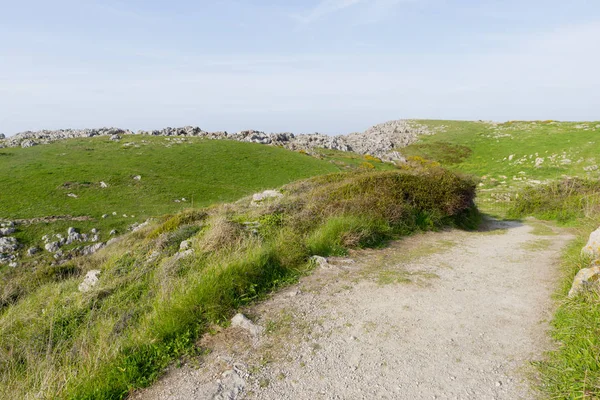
321, 262
32, 251
90, 280
104, 216
137, 178
113, 232
52, 247
186, 244
73, 195
240, 321
103, 185
94, 231
114, 213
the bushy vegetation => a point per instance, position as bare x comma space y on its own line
504, 155
153, 301
567, 200
572, 370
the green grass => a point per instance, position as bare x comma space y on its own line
572, 370
150, 307
483, 149
36, 181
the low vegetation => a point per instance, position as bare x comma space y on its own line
162, 286
511, 156
66, 178
572, 370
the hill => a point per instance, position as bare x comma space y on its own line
510, 156
136, 178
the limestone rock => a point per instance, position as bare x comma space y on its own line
267, 194
8, 244
586, 278
240, 321
90, 280
186, 244
52, 247
592, 248
33, 251
103, 185
320, 262
6, 231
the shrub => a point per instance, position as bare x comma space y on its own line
564, 201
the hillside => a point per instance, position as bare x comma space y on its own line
119, 250
133, 179
512, 155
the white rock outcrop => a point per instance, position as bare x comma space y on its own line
587, 278
380, 140
592, 247
90, 280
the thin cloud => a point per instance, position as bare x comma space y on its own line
326, 7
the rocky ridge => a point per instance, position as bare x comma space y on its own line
380, 140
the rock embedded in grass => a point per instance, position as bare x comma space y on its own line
267, 194
587, 278
6, 231
90, 280
8, 244
592, 247
33, 251
52, 247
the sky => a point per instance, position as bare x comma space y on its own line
329, 66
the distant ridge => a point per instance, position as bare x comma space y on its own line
380, 140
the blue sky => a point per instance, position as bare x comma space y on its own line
333, 66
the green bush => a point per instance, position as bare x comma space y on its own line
563, 201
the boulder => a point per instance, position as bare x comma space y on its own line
267, 194
90, 280
28, 143
6, 231
240, 321
52, 247
587, 278
592, 247
33, 251
8, 244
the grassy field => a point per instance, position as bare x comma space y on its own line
504, 155
153, 300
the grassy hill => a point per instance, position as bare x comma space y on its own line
163, 286
504, 155
175, 173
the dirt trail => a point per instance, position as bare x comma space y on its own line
451, 315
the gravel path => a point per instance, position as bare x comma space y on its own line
450, 315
